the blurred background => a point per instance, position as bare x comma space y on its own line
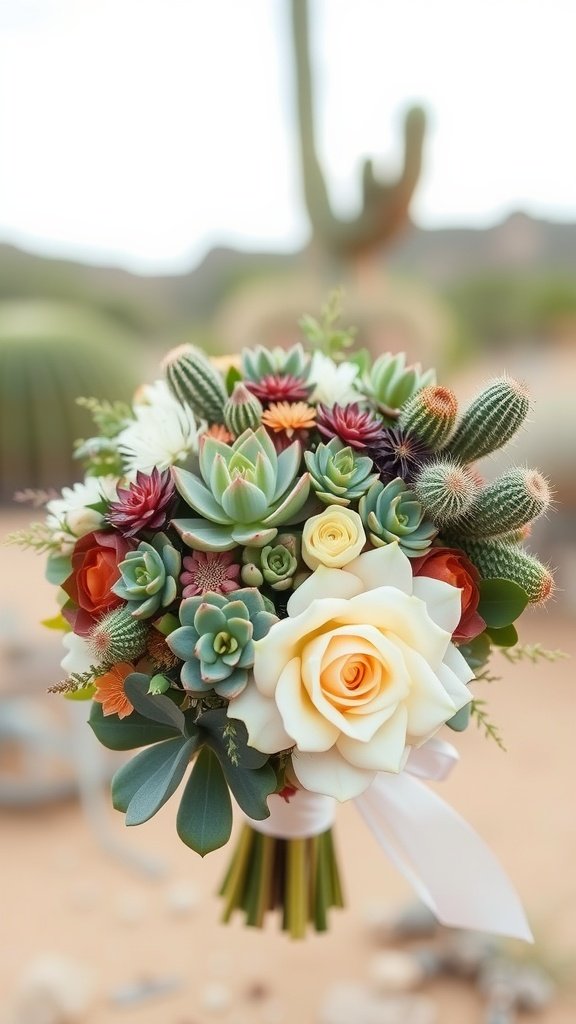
178, 170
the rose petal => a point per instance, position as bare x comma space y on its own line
324, 583
405, 617
262, 719
311, 731
429, 705
329, 773
386, 566
385, 752
443, 602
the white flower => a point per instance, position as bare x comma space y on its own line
78, 659
162, 433
362, 670
334, 381
70, 516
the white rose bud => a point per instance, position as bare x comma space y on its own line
81, 521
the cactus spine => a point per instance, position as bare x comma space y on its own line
505, 506
118, 636
430, 415
491, 420
497, 559
242, 411
446, 490
195, 382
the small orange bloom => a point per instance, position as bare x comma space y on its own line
289, 417
110, 690
219, 433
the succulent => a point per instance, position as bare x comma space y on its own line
397, 453
499, 559
351, 424
194, 381
149, 577
393, 513
430, 415
259, 363
118, 636
143, 504
390, 383
242, 411
339, 475
446, 490
216, 640
246, 492
280, 388
493, 417
514, 499
275, 564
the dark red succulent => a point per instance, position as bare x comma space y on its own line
350, 423
144, 504
397, 453
279, 387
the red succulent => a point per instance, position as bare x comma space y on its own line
144, 504
350, 423
279, 388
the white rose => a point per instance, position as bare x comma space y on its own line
361, 670
81, 521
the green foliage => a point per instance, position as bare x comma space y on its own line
533, 653
204, 821
393, 513
501, 602
339, 474
325, 334
109, 417
503, 636
491, 731
461, 720
390, 384
476, 651
157, 708
143, 785
497, 559
128, 733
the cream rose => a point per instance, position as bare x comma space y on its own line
361, 670
333, 538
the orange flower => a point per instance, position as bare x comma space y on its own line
110, 690
219, 433
289, 417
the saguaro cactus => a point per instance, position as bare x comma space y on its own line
384, 209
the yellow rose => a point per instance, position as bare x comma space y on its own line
362, 669
333, 538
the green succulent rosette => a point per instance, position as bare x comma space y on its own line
260, 362
216, 640
149, 577
338, 474
393, 513
246, 491
276, 564
390, 383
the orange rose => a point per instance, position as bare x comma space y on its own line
453, 567
95, 570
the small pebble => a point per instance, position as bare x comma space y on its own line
466, 953
53, 990
183, 898
432, 961
496, 980
500, 1015
395, 971
353, 1003
216, 998
413, 922
534, 989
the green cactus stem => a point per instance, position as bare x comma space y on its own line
242, 411
496, 559
491, 420
385, 206
118, 636
513, 500
195, 382
430, 415
446, 490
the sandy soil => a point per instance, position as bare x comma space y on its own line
60, 892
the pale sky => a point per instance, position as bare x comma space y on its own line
142, 132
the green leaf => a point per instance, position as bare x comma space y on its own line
460, 721
57, 622
214, 725
251, 788
232, 378
505, 636
159, 786
362, 359
204, 819
84, 693
477, 651
157, 708
501, 602
58, 568
135, 773
246, 769
127, 733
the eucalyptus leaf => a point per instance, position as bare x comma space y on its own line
506, 636
460, 721
215, 723
477, 651
132, 775
501, 602
127, 733
159, 787
204, 819
158, 708
251, 788
58, 568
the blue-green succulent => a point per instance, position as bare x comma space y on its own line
390, 383
276, 564
260, 362
339, 475
393, 513
246, 492
216, 640
149, 577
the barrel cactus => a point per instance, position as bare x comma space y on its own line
49, 354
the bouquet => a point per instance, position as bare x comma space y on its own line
278, 578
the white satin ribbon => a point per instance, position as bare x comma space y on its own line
453, 871
306, 814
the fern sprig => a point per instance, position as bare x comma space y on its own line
534, 653
477, 711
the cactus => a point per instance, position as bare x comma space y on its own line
118, 636
430, 415
385, 207
497, 559
494, 416
49, 354
242, 411
446, 490
505, 506
195, 382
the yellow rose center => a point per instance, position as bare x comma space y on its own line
333, 537
352, 678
